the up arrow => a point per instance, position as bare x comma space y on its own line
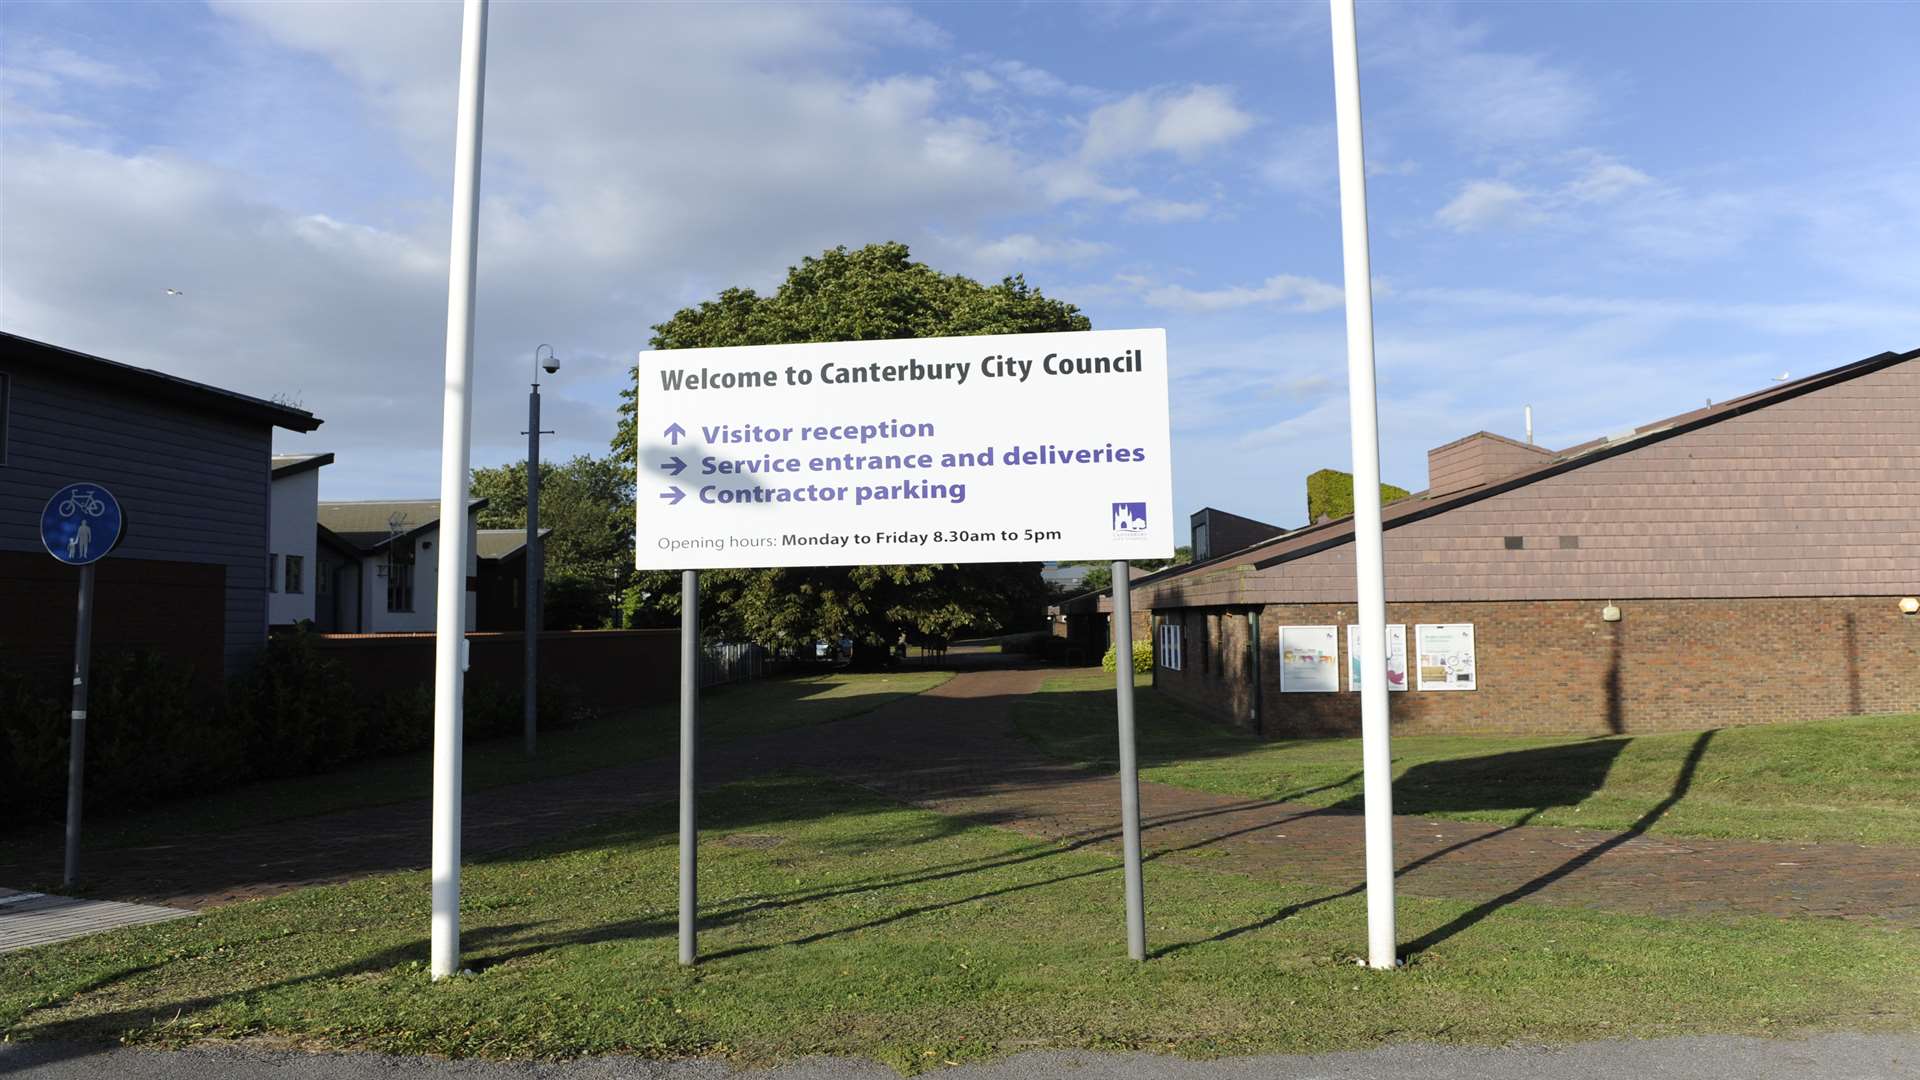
674, 494
673, 433
676, 468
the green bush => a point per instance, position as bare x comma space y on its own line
293, 712
149, 735
295, 709
1142, 658
1330, 495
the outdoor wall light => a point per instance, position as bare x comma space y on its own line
1909, 605
1610, 613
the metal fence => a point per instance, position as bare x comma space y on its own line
731, 662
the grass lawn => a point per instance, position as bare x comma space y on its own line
726, 713
1849, 779
839, 923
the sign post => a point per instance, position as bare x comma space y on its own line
689, 746
1129, 760
995, 448
79, 526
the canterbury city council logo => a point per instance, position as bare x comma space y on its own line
1129, 518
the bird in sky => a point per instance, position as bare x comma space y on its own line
175, 292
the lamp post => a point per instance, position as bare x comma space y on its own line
536, 565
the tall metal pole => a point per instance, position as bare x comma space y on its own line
1129, 761
534, 564
77, 748
450, 616
689, 744
1370, 565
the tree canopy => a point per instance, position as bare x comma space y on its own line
872, 293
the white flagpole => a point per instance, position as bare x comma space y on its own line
450, 616
1370, 565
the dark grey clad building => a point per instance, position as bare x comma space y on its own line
190, 465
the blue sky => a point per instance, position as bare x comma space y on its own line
1610, 212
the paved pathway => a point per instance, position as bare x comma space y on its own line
952, 750
29, 918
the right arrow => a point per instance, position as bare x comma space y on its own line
676, 468
674, 494
673, 433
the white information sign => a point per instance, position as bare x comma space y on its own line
1002, 448
1309, 659
1446, 660
1396, 657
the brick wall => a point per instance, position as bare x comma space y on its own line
175, 608
1554, 667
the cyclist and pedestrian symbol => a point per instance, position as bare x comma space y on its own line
81, 524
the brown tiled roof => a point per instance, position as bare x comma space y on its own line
502, 543
370, 525
1420, 505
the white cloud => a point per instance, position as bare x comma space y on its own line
980, 82
595, 223
1168, 211
1484, 98
1288, 291
1304, 160
1483, 204
1010, 253
1606, 180
1184, 123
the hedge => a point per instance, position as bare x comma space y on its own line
150, 735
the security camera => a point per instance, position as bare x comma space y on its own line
551, 363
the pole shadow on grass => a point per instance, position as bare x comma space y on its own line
85, 1035
1492, 783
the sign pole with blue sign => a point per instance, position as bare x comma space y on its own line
79, 526
77, 754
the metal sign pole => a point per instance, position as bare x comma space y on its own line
1129, 761
689, 742
1369, 564
77, 750
531, 695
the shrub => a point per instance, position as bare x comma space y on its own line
295, 709
1142, 658
148, 735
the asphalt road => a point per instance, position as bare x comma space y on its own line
1823, 1057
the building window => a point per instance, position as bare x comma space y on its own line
400, 587
273, 573
1515, 543
1169, 641
296, 573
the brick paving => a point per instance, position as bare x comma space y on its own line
952, 750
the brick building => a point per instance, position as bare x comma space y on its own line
1739, 564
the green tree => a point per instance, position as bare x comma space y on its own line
1330, 495
588, 503
872, 293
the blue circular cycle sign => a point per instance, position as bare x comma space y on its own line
82, 522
